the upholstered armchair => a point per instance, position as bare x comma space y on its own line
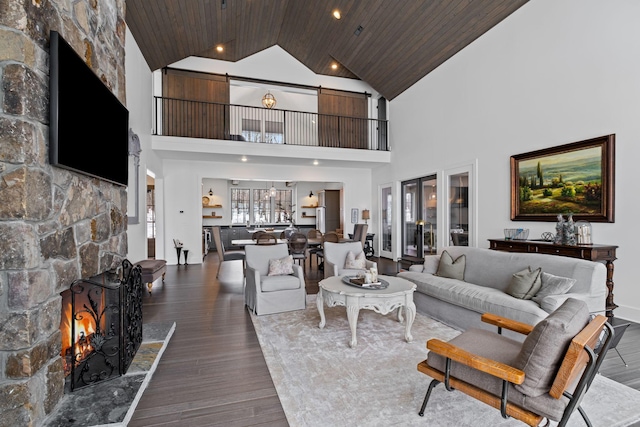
335, 257
281, 291
544, 377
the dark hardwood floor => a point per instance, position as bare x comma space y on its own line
213, 372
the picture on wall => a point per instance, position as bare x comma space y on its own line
576, 178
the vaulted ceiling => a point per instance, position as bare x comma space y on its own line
399, 41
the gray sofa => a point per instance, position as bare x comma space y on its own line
486, 278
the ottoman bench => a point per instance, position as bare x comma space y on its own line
151, 270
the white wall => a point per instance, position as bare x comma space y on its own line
554, 72
139, 101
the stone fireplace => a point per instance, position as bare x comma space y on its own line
55, 226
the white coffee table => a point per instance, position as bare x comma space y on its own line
398, 295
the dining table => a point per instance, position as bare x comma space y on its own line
245, 242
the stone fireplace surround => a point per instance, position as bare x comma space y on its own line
55, 226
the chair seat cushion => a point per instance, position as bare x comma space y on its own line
233, 255
279, 283
497, 347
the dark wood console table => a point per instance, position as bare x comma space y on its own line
602, 253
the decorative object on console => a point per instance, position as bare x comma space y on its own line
577, 177
569, 236
583, 233
366, 215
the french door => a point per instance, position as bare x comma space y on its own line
386, 223
419, 216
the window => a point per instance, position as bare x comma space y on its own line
259, 207
273, 132
239, 206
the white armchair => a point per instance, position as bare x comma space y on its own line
335, 255
265, 294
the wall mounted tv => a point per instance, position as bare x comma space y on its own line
89, 126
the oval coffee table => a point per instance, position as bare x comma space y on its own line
397, 296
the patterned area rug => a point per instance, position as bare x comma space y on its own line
321, 381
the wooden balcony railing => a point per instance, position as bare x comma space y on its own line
194, 119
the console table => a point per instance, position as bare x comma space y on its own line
601, 253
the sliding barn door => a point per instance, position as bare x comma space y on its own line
342, 119
195, 105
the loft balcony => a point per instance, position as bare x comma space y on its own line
226, 129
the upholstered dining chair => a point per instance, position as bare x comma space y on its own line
544, 377
360, 233
335, 259
224, 255
270, 286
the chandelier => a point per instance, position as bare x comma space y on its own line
268, 100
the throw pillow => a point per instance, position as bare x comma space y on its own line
553, 285
525, 284
281, 266
355, 262
544, 348
431, 264
448, 267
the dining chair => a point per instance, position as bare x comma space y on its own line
332, 237
256, 234
314, 249
298, 248
266, 239
224, 255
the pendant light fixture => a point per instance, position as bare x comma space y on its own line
268, 100
272, 191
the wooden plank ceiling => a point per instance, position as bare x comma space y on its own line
400, 42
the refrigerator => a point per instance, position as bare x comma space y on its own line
321, 223
328, 211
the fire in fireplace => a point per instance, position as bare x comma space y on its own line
101, 325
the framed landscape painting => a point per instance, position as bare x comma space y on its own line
575, 178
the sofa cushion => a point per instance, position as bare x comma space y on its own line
431, 263
279, 283
544, 348
281, 266
448, 267
553, 285
353, 261
525, 284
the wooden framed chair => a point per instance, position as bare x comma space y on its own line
544, 377
266, 239
298, 249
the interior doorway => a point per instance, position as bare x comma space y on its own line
151, 215
386, 224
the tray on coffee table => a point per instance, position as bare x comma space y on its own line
358, 282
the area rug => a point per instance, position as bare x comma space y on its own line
111, 403
321, 381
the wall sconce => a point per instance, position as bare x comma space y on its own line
310, 193
211, 192
365, 215
268, 100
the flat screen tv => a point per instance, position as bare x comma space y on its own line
89, 126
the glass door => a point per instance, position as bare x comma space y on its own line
460, 210
386, 210
419, 217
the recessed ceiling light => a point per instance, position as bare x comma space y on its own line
334, 66
315, 163
220, 48
336, 14
244, 158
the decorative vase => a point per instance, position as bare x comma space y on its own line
569, 232
559, 230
